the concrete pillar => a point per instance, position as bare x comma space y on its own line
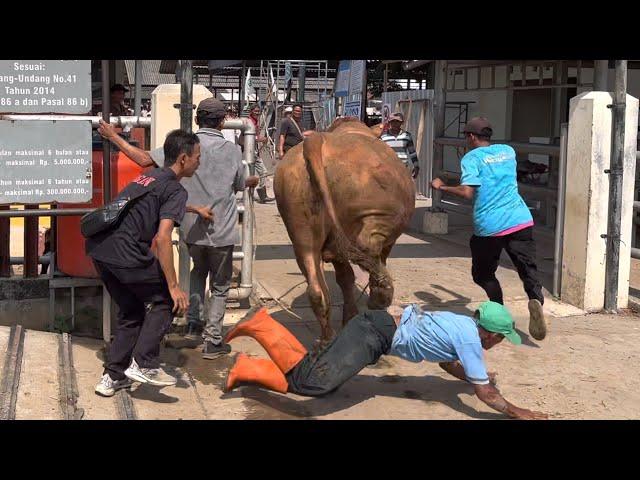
164, 116
587, 200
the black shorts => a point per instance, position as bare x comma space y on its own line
361, 342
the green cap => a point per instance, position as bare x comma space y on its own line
496, 318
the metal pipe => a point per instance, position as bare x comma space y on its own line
240, 87
117, 121
635, 253
60, 212
106, 144
137, 106
439, 113
385, 84
245, 288
616, 171
415, 64
559, 230
45, 212
302, 71
20, 260
521, 147
560, 71
518, 87
601, 75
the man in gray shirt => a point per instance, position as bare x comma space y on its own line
209, 226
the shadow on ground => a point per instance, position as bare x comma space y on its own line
429, 389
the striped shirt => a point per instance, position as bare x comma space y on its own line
402, 144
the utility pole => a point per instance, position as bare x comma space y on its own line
616, 171
186, 121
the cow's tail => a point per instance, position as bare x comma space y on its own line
346, 250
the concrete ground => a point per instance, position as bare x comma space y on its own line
585, 369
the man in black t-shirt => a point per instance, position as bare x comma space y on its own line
291, 133
143, 285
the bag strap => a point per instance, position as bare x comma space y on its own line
145, 191
297, 127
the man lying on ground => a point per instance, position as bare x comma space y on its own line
454, 341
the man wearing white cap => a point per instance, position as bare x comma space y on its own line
401, 142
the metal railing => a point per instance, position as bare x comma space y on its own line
243, 124
117, 121
520, 147
562, 188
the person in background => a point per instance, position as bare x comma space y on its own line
118, 107
401, 142
261, 169
291, 133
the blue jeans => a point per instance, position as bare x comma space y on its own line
218, 263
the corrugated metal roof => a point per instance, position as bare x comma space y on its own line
150, 73
151, 76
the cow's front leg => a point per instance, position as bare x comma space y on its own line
346, 279
380, 289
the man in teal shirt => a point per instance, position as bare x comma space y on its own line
501, 219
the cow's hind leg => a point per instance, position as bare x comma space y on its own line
375, 245
309, 263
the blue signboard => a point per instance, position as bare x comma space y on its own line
342, 79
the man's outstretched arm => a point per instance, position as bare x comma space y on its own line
464, 191
492, 397
136, 154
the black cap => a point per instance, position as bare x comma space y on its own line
212, 107
479, 126
118, 87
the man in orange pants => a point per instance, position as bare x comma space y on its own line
456, 342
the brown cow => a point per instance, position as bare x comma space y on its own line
344, 197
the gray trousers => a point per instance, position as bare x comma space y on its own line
218, 263
261, 171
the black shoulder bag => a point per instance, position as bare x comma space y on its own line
108, 216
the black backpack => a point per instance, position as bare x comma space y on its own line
109, 215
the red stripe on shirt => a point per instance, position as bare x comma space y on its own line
517, 228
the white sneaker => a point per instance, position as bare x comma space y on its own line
152, 376
108, 387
